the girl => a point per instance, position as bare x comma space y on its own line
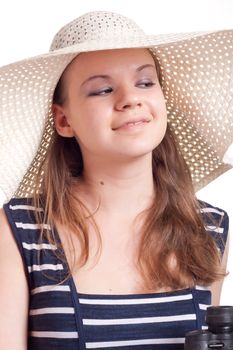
104, 244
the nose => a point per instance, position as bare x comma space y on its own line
128, 98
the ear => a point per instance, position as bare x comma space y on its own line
61, 123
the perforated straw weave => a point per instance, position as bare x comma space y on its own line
197, 81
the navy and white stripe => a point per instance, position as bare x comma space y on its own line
158, 320
62, 318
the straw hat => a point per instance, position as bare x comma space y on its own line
197, 81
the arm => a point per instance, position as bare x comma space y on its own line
13, 292
216, 287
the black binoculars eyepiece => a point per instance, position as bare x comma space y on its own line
219, 334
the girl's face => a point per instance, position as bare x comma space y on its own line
113, 104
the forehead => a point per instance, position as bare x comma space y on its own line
101, 61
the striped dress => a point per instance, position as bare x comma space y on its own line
62, 318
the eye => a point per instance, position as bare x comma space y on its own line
101, 92
145, 84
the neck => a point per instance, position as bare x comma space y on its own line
118, 188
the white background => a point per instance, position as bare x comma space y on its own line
27, 28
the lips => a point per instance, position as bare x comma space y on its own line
132, 122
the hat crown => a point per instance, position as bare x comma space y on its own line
98, 26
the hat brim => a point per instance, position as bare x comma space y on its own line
197, 104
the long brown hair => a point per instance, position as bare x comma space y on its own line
173, 229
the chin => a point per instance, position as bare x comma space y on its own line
135, 153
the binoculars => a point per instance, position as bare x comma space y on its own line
219, 334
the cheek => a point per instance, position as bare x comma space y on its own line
159, 109
91, 125
98, 114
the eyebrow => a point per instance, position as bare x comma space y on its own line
145, 66
107, 77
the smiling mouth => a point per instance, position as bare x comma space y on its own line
131, 124
136, 123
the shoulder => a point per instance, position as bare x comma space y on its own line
20, 215
216, 221
4, 225
9, 248
214, 215
14, 288
20, 207
34, 246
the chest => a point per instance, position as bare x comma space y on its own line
86, 321
111, 266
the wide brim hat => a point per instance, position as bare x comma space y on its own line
197, 82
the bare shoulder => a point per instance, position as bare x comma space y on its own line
6, 234
10, 258
7, 241
13, 291
216, 288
